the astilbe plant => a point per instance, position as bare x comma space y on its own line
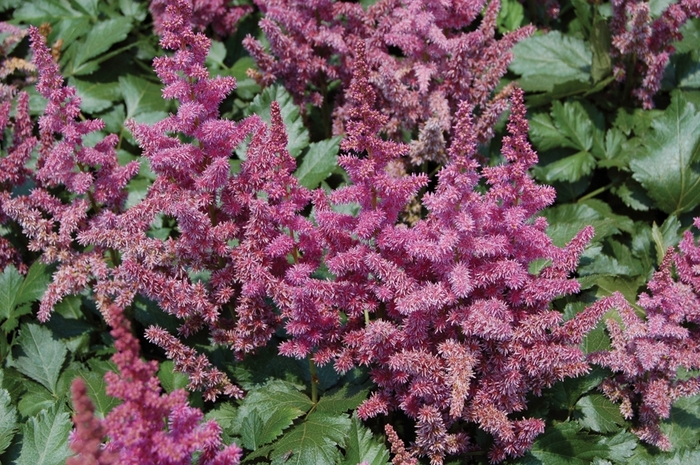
91, 176
149, 426
421, 61
239, 227
446, 313
648, 353
641, 47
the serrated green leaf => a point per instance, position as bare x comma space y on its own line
565, 221
603, 264
225, 415
318, 162
101, 37
316, 440
297, 135
141, 96
622, 446
275, 395
346, 398
171, 379
41, 357
601, 65
683, 425
668, 167
8, 419
10, 283
95, 96
511, 16
35, 399
599, 414
608, 285
633, 195
573, 122
566, 444
596, 339
363, 447
550, 59
545, 135
45, 440
568, 169
95, 385
256, 431
34, 284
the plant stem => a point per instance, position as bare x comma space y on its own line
592, 194
314, 380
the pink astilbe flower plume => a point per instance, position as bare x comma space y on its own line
148, 427
421, 62
642, 46
92, 174
647, 353
446, 313
219, 14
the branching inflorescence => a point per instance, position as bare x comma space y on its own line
648, 354
421, 62
642, 46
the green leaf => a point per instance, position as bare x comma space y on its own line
346, 398
633, 195
596, 339
36, 399
549, 59
8, 419
10, 284
318, 162
171, 379
95, 385
95, 96
257, 431
511, 16
599, 414
565, 221
567, 169
267, 410
100, 38
41, 356
667, 167
545, 135
45, 440
622, 446
362, 446
683, 425
297, 135
600, 47
573, 122
315, 441
566, 444
141, 96
602, 264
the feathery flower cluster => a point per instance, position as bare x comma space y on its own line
148, 427
222, 17
422, 63
446, 313
92, 174
642, 46
648, 353
239, 227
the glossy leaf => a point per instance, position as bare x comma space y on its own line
668, 167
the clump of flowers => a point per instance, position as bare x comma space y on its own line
148, 427
642, 46
421, 62
446, 313
647, 353
219, 14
